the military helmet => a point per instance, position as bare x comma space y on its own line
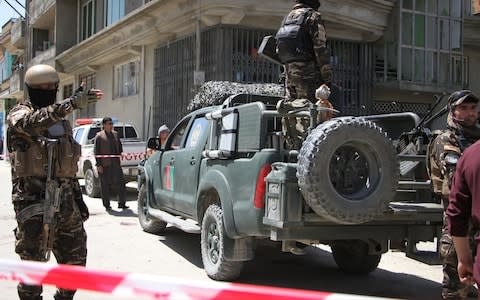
41, 74
459, 97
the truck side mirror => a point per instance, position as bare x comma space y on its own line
153, 143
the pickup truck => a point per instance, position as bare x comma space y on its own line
224, 173
133, 152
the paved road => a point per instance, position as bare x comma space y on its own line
117, 243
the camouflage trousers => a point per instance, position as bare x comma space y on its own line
70, 243
294, 128
302, 80
452, 288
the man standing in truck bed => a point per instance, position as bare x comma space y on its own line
445, 151
108, 150
301, 46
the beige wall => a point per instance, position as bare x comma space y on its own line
149, 90
133, 109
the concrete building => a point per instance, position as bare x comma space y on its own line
148, 56
11, 68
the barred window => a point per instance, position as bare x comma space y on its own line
67, 91
431, 41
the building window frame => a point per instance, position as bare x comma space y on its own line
425, 61
88, 19
114, 11
126, 78
90, 80
67, 90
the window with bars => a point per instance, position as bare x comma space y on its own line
88, 18
67, 91
431, 42
424, 44
126, 79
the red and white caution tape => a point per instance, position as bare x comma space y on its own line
124, 156
135, 285
105, 156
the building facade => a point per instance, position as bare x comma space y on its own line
149, 56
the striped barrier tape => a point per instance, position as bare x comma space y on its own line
138, 155
135, 285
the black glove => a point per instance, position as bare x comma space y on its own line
82, 206
80, 98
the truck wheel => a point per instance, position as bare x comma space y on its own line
212, 244
353, 257
92, 184
148, 224
348, 170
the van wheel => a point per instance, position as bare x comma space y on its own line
353, 257
212, 242
92, 184
148, 224
348, 170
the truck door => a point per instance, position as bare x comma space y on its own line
165, 188
187, 166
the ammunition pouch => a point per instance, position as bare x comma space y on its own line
32, 162
30, 211
293, 41
68, 155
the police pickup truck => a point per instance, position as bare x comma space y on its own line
224, 173
133, 151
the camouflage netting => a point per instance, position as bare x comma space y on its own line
215, 92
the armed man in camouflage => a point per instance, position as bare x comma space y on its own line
444, 152
30, 124
301, 47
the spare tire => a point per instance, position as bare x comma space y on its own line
348, 170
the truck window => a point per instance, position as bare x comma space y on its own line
196, 133
119, 130
79, 134
93, 132
130, 132
175, 138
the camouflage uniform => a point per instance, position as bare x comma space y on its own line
444, 151
25, 123
304, 76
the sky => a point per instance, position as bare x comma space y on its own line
6, 12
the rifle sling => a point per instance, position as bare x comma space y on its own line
30, 211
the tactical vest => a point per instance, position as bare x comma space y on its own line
33, 161
439, 183
293, 41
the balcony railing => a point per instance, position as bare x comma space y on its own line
44, 57
18, 34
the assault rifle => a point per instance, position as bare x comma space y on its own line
52, 200
420, 136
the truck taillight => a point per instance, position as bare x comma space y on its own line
259, 200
